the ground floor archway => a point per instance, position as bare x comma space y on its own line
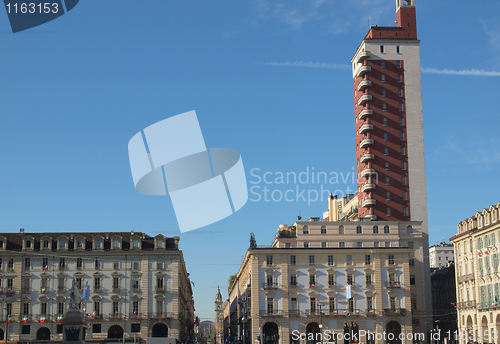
43, 333
393, 330
115, 331
270, 334
159, 330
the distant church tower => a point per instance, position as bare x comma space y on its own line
218, 317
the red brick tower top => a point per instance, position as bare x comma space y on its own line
406, 23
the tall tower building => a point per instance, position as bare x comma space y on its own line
389, 126
218, 316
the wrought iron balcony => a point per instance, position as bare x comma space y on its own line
270, 312
161, 315
270, 285
393, 284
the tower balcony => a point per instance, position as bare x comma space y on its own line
363, 55
371, 217
365, 113
363, 70
368, 202
364, 84
366, 157
364, 98
366, 143
367, 172
365, 127
367, 187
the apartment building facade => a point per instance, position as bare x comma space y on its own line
477, 272
138, 285
301, 284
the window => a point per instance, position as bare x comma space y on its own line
46, 244
116, 284
386, 151
382, 78
331, 305
392, 303
405, 196
98, 243
159, 307
397, 49
359, 229
387, 181
10, 265
388, 196
116, 263
410, 245
390, 259
136, 263
402, 151
398, 64
116, 243
330, 260
62, 263
97, 308
135, 283
384, 107
401, 122
342, 244
350, 279
384, 92
369, 303
311, 260
26, 285
375, 229
135, 308
384, 122
80, 244
331, 280
349, 260
306, 244
386, 137
25, 329
28, 243
368, 260
400, 93
400, 107
305, 230
269, 260
341, 229
136, 245
312, 305
323, 230
97, 263
159, 264
403, 180
27, 263
60, 284
386, 166
79, 283
159, 243
405, 211
160, 283
389, 211
294, 304
97, 284
312, 281
351, 305
79, 263
116, 308
96, 328
62, 243
368, 280
376, 244
382, 51
403, 165
60, 308
293, 280
323, 244
412, 261
135, 328
399, 78
292, 260
412, 279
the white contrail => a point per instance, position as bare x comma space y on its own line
427, 70
309, 65
474, 72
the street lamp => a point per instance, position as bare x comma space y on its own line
243, 331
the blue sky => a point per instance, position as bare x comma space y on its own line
270, 79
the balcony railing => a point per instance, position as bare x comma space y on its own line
365, 113
364, 98
136, 289
43, 318
370, 312
294, 312
366, 157
116, 289
270, 285
160, 315
25, 318
9, 291
270, 312
365, 127
364, 84
366, 143
394, 311
368, 202
115, 316
363, 55
370, 217
368, 186
332, 284
97, 289
393, 284
160, 289
135, 315
61, 289
363, 70
367, 172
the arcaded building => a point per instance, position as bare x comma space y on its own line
138, 285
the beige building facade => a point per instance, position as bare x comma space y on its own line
138, 285
301, 284
477, 273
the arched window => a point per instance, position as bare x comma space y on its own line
341, 229
28, 244
375, 229
305, 230
386, 229
409, 229
359, 230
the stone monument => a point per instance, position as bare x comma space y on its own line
73, 320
